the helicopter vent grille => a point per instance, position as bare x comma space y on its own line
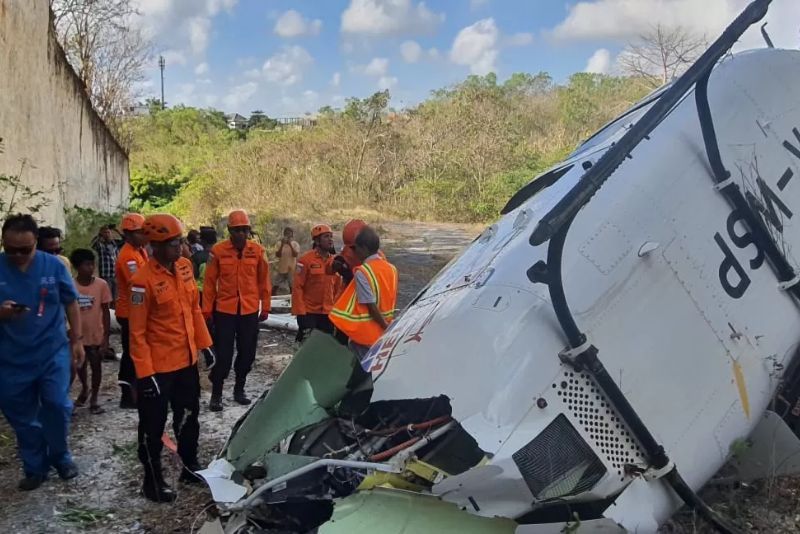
599, 420
558, 462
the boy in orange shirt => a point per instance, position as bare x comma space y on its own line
94, 300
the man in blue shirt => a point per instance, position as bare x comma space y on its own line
35, 352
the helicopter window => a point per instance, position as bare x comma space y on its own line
536, 185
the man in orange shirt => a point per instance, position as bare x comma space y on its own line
235, 288
167, 330
132, 257
366, 307
315, 286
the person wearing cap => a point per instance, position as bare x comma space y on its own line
132, 257
347, 260
236, 298
167, 332
315, 287
366, 307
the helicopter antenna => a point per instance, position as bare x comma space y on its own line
765, 35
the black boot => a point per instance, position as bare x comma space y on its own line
238, 392
127, 400
215, 404
154, 487
188, 475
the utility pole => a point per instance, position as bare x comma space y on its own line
162, 63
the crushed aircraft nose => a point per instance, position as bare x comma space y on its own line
314, 437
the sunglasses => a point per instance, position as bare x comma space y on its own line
240, 230
175, 243
18, 251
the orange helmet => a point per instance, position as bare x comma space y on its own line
351, 231
238, 218
162, 227
320, 229
132, 222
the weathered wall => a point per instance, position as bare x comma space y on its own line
47, 121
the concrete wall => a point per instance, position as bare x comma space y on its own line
47, 121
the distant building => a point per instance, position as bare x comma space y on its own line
236, 121
295, 123
138, 110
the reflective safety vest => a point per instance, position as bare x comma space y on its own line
352, 318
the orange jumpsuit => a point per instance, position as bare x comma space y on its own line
314, 292
129, 260
167, 326
235, 284
167, 331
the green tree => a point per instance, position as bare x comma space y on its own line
259, 121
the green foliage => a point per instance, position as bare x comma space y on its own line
16, 196
457, 156
171, 148
259, 121
82, 225
151, 190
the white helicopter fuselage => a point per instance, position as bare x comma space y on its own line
664, 280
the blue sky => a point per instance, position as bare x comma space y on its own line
290, 57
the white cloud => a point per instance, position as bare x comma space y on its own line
293, 24
476, 47
434, 53
204, 81
287, 66
184, 94
599, 63
184, 25
519, 39
389, 17
411, 51
387, 82
336, 79
379, 66
253, 74
201, 69
174, 57
239, 95
199, 30
623, 20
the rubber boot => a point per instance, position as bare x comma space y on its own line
154, 487
215, 404
188, 475
238, 392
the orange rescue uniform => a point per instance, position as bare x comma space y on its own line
166, 324
129, 260
236, 283
352, 318
315, 287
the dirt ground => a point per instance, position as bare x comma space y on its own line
105, 497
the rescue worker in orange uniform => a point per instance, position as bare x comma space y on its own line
132, 257
344, 262
315, 287
366, 307
235, 287
167, 331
